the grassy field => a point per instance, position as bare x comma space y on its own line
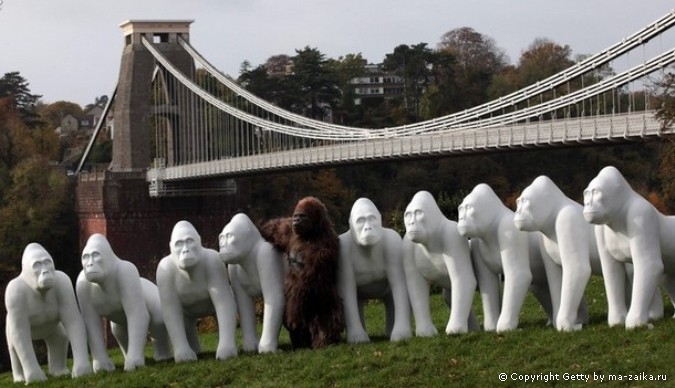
475, 359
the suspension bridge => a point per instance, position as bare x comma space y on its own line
205, 125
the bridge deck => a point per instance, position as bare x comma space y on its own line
619, 127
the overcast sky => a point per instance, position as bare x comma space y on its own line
71, 49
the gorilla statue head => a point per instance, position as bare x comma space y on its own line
185, 245
98, 258
237, 239
37, 268
365, 222
422, 217
605, 195
478, 211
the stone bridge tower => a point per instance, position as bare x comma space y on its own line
116, 202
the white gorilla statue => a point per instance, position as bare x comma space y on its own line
434, 251
371, 267
193, 283
630, 230
41, 305
109, 287
568, 246
499, 248
256, 270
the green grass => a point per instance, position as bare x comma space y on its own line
474, 359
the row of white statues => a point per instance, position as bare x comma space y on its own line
550, 246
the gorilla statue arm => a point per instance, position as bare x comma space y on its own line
462, 279
25, 366
172, 311
399, 289
576, 268
418, 291
346, 285
614, 276
92, 321
272, 288
224, 304
488, 287
136, 312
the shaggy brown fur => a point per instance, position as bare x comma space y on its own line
314, 316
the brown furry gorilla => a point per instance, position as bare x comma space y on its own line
313, 316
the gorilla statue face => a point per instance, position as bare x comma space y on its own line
421, 217
534, 206
526, 210
185, 245
365, 222
476, 212
237, 239
98, 259
37, 268
604, 195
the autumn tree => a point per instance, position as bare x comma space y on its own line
33, 195
543, 58
35, 199
53, 113
478, 59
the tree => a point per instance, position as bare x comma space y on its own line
345, 69
413, 64
15, 142
442, 97
666, 91
505, 82
272, 89
39, 205
53, 113
667, 175
478, 60
666, 114
14, 86
314, 82
541, 59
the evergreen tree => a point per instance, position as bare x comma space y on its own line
14, 86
